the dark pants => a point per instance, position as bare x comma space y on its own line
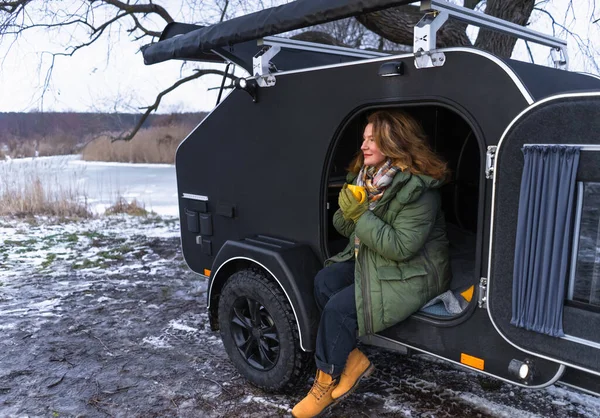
336, 338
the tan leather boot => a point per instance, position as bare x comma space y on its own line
318, 399
357, 367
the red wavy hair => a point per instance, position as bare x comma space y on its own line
401, 138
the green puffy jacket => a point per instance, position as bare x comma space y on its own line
403, 254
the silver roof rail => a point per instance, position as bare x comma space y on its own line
263, 69
438, 11
315, 47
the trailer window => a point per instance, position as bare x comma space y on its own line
584, 284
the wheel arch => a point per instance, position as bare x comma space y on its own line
292, 267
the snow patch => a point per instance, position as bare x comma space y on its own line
45, 305
181, 327
156, 342
13, 311
263, 401
495, 409
398, 410
570, 396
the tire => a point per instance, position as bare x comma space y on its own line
265, 348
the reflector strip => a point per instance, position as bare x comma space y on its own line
471, 361
207, 272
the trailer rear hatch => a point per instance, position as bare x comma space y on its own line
543, 290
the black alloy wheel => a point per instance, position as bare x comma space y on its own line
255, 334
260, 333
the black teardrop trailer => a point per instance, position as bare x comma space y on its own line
258, 181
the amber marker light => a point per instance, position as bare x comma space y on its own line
468, 360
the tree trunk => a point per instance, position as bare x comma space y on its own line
397, 25
516, 11
318, 37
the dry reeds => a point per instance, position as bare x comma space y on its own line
153, 145
39, 146
27, 191
133, 208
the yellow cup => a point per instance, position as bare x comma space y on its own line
359, 192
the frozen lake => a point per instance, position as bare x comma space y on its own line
100, 183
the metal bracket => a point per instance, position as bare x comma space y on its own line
490, 158
482, 296
262, 67
425, 40
560, 57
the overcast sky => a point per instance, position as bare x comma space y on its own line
110, 75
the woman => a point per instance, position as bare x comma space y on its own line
396, 259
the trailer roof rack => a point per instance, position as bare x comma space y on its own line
438, 11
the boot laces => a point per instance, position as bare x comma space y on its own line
319, 389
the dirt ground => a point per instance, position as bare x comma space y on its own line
116, 326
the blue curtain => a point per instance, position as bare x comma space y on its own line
546, 210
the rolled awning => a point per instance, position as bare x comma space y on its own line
295, 15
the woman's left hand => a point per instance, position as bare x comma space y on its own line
351, 208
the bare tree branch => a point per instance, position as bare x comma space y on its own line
48, 26
154, 106
47, 79
96, 33
224, 10
20, 16
554, 22
529, 52
16, 19
11, 6
139, 26
145, 8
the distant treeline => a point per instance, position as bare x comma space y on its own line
41, 125
42, 134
